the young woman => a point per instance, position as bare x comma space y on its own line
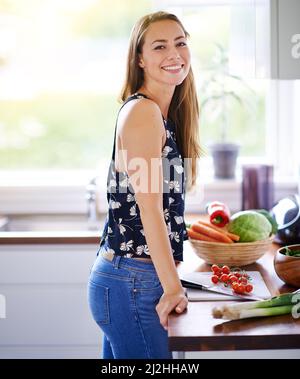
134, 284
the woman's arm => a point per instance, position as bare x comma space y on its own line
141, 134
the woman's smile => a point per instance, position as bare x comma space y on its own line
173, 69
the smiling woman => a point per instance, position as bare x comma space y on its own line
158, 64
170, 55
144, 229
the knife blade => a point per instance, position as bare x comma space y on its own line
189, 284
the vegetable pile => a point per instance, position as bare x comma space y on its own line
279, 305
237, 279
244, 226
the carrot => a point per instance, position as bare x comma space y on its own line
210, 232
234, 237
199, 236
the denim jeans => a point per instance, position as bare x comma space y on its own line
122, 296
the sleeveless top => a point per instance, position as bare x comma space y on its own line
123, 232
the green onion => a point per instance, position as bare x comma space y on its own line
277, 305
259, 312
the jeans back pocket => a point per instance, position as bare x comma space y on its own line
98, 302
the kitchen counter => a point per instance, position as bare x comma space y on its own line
50, 229
28, 238
197, 330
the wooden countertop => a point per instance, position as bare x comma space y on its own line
48, 238
197, 330
50, 229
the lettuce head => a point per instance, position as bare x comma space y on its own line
251, 226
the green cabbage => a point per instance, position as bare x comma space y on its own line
250, 226
272, 220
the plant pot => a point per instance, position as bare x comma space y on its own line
224, 159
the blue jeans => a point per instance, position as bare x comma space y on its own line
122, 296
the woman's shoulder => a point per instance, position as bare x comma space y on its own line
139, 111
136, 105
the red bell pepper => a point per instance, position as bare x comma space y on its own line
219, 213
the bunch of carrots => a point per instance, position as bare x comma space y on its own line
204, 231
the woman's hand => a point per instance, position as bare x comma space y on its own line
169, 302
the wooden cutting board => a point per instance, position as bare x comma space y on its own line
259, 287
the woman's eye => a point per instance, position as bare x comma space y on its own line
161, 47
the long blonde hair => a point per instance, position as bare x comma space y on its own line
184, 108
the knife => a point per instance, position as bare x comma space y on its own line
189, 284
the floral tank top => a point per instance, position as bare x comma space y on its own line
123, 231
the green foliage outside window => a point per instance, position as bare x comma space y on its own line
58, 128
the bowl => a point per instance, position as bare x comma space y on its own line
231, 254
288, 267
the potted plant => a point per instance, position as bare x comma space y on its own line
217, 92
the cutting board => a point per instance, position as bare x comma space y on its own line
259, 287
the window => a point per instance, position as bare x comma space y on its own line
62, 65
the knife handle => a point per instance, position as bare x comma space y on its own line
191, 285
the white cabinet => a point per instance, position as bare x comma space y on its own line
265, 39
45, 292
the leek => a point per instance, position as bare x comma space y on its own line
230, 314
277, 305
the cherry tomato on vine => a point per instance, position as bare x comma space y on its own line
225, 270
235, 286
242, 288
215, 279
236, 279
224, 278
233, 278
249, 288
215, 268
243, 280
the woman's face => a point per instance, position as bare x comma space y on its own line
165, 55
